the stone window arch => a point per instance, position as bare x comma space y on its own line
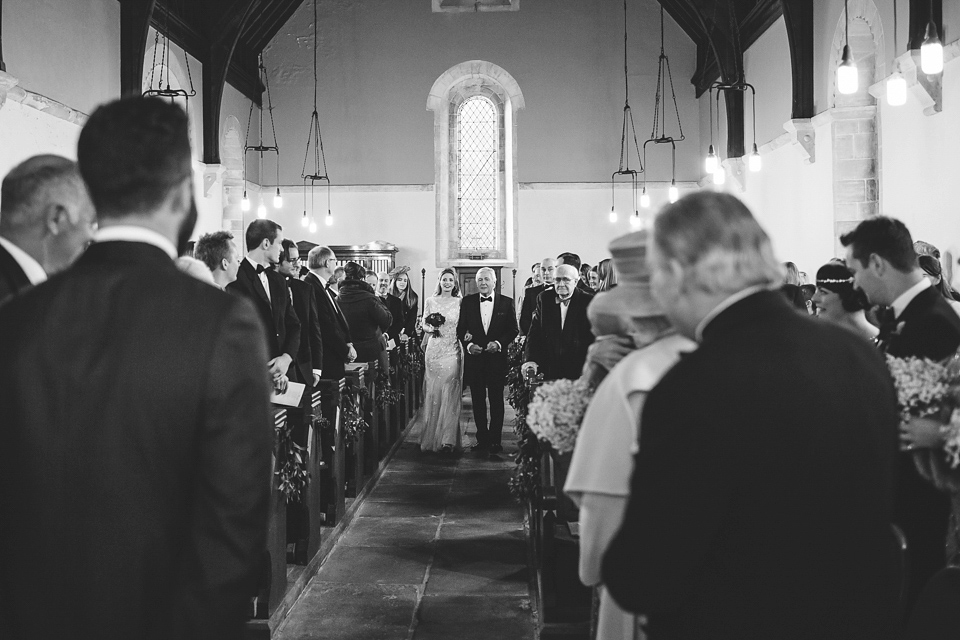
475, 83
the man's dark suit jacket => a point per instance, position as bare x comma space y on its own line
310, 353
928, 328
282, 326
559, 353
334, 331
763, 488
486, 368
12, 278
529, 305
134, 453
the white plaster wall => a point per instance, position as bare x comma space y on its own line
919, 164
26, 132
68, 50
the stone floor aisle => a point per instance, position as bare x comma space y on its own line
437, 551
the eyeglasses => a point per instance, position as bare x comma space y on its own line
564, 280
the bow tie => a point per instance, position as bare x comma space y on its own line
565, 301
485, 299
260, 269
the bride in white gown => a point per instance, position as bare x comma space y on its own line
438, 421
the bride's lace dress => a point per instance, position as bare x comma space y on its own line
438, 421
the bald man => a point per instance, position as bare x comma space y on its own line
548, 269
560, 331
486, 327
46, 221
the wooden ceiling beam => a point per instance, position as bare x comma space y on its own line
798, 16
262, 30
135, 18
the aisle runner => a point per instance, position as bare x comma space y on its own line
437, 551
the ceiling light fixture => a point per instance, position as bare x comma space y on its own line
315, 139
847, 80
896, 83
261, 148
625, 169
163, 89
931, 51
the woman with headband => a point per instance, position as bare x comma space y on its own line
839, 302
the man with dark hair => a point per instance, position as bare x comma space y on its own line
268, 291
220, 254
309, 361
921, 324
136, 431
46, 221
548, 269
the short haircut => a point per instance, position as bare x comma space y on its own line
260, 230
132, 153
718, 241
29, 186
571, 259
887, 237
488, 270
288, 244
317, 256
213, 248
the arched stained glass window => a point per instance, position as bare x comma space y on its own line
478, 184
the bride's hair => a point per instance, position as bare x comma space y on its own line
456, 282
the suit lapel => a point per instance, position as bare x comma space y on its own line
12, 271
253, 280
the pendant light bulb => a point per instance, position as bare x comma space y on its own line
710, 164
304, 221
277, 200
719, 176
847, 80
645, 199
262, 210
755, 162
313, 227
931, 51
673, 194
329, 220
635, 221
896, 90
245, 203
613, 214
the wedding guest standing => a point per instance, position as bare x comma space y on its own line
334, 331
136, 437
268, 291
366, 316
194, 268
763, 487
560, 331
308, 364
487, 325
46, 221
838, 301
221, 256
922, 324
548, 269
599, 476
404, 324
391, 303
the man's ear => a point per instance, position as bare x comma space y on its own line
224, 264
55, 216
265, 244
877, 263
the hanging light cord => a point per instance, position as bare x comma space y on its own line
313, 133
627, 112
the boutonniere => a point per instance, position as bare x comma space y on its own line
899, 328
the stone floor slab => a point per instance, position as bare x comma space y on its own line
447, 617
391, 532
330, 611
376, 565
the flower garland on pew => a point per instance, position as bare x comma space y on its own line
291, 468
354, 426
386, 394
525, 483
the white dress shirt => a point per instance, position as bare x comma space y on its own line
31, 268
907, 297
486, 312
133, 233
563, 310
263, 277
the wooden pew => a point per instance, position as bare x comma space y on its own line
332, 451
316, 466
355, 377
371, 439
274, 583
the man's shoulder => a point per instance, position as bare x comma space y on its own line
547, 295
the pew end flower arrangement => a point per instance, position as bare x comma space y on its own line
556, 411
291, 468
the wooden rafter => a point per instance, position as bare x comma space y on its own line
134, 27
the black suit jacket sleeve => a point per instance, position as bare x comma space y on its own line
506, 330
932, 335
316, 339
291, 342
381, 315
463, 324
228, 534
534, 350
527, 308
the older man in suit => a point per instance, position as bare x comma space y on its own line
267, 289
46, 221
763, 488
921, 324
334, 331
136, 432
560, 331
487, 326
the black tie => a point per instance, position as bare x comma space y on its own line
260, 269
565, 301
484, 299
330, 290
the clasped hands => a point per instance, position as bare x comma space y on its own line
278, 371
474, 349
921, 433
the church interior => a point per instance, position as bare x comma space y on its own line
342, 121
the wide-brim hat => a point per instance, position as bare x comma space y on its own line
629, 254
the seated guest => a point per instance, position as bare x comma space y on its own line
934, 273
560, 331
838, 302
763, 487
599, 476
218, 251
334, 331
404, 325
607, 273
195, 269
137, 432
46, 221
365, 315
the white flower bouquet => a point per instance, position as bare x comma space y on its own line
923, 386
556, 411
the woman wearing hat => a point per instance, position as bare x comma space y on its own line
838, 302
602, 464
